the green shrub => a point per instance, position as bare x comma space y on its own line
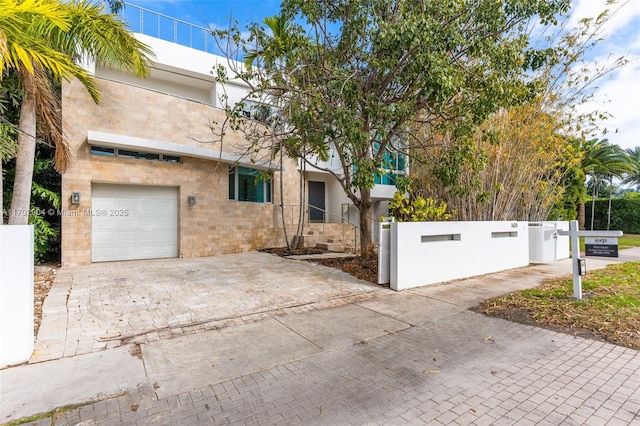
625, 215
418, 209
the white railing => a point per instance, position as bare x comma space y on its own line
164, 27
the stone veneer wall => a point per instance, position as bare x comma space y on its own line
216, 225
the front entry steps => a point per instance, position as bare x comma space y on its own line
315, 238
331, 245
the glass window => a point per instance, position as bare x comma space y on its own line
127, 154
171, 159
247, 184
394, 163
148, 156
99, 150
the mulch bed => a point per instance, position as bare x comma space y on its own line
43, 278
364, 269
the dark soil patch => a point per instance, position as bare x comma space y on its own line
364, 269
283, 251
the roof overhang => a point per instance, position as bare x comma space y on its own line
112, 140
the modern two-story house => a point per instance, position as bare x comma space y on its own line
149, 180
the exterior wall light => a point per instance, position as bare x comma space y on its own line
75, 198
191, 200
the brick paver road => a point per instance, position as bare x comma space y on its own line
464, 369
358, 355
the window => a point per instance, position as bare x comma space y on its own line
257, 111
249, 185
394, 163
171, 159
98, 150
123, 153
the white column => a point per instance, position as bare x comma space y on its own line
16, 294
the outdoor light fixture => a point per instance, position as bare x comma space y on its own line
191, 200
75, 198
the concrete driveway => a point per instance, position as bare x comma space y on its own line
92, 308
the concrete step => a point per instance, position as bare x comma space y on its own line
311, 240
331, 246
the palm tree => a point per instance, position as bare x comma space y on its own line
601, 160
24, 50
633, 177
84, 32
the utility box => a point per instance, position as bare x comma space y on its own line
545, 244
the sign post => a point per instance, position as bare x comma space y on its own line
579, 265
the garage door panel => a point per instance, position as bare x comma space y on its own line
149, 228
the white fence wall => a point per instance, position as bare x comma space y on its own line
425, 253
16, 294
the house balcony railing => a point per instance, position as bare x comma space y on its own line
164, 27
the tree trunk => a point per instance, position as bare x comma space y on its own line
593, 203
284, 222
366, 244
298, 239
582, 215
21, 199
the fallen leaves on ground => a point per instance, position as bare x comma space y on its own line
609, 310
43, 278
364, 269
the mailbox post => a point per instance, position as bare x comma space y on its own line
579, 265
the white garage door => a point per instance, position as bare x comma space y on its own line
133, 222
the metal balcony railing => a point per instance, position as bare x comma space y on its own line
164, 27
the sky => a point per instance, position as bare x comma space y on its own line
617, 94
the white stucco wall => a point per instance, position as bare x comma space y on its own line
424, 253
334, 196
16, 294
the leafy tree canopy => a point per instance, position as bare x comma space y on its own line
360, 75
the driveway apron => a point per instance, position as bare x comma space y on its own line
96, 307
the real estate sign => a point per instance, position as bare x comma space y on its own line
601, 246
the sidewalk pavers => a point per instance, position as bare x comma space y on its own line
39, 388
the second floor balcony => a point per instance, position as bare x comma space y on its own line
146, 21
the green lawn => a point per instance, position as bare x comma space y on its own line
609, 310
629, 240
